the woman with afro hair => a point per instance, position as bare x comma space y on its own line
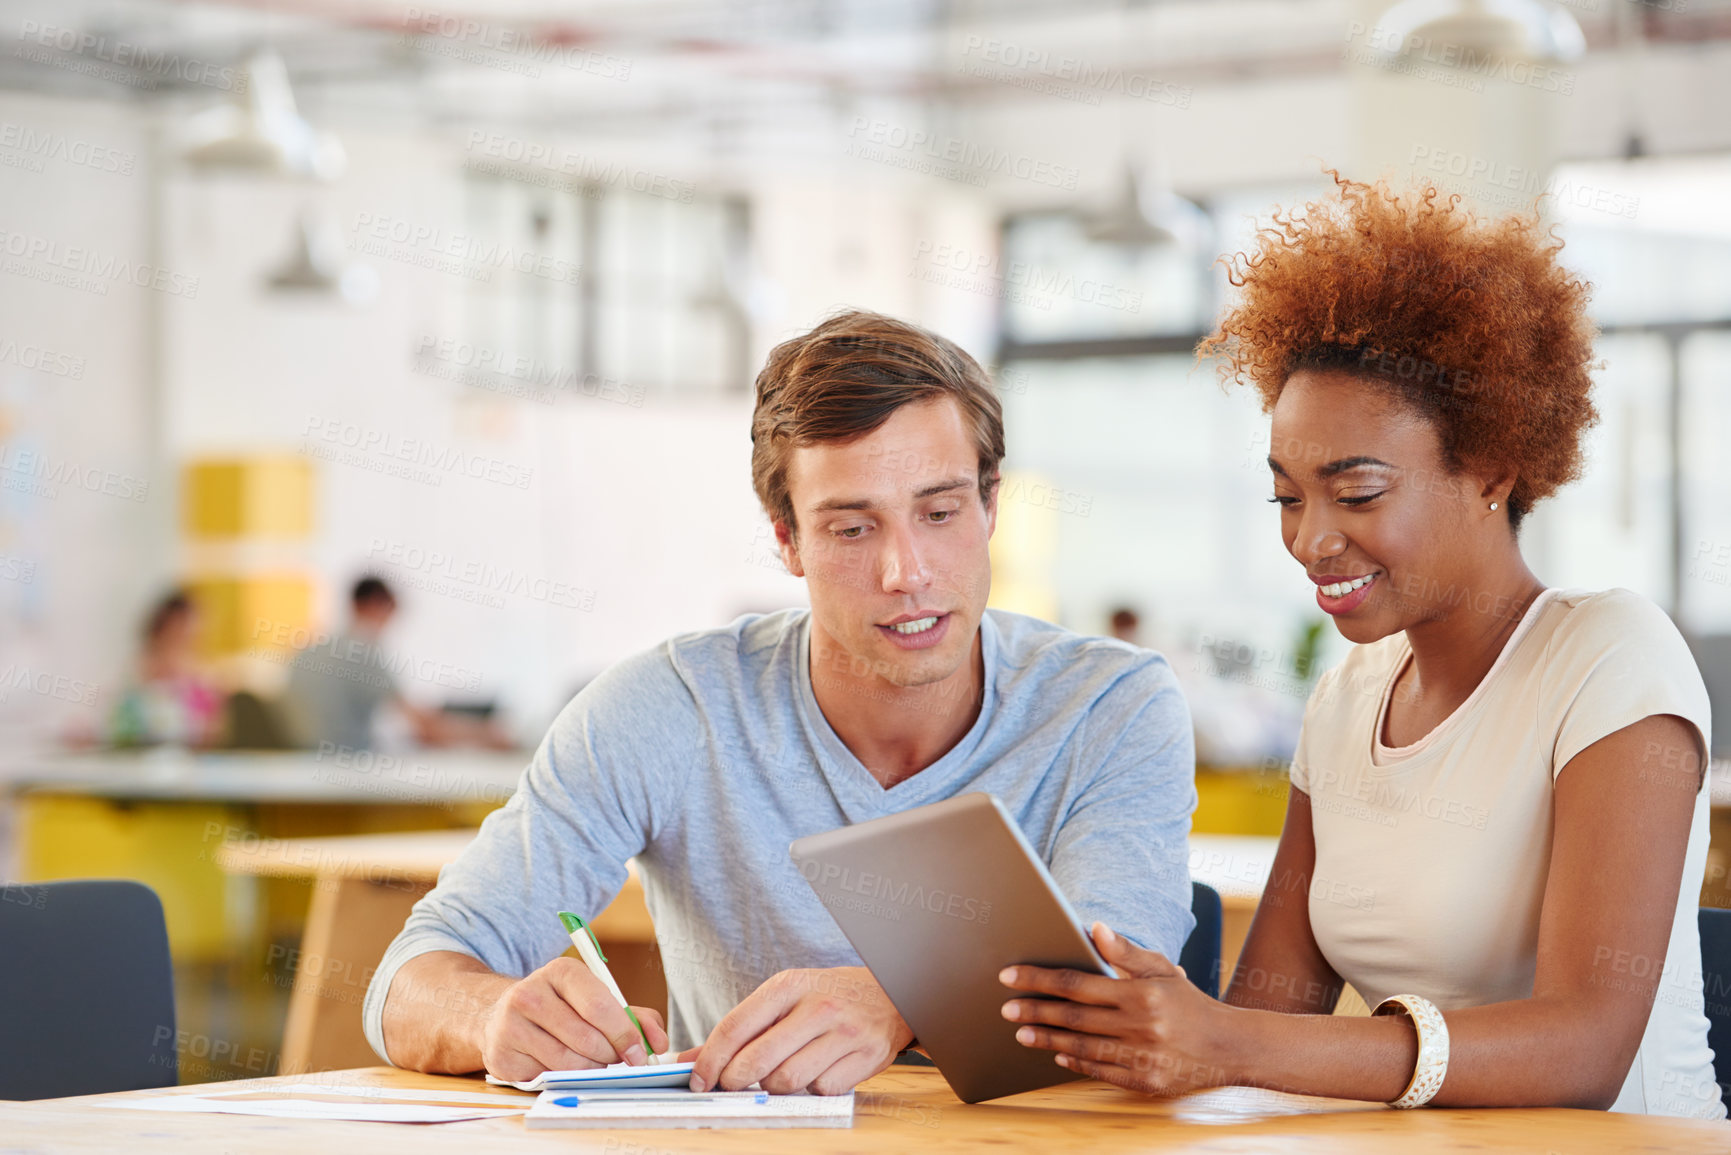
1498, 818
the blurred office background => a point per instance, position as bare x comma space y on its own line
470, 297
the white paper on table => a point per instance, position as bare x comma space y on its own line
370, 1104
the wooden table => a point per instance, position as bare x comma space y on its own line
903, 1109
363, 889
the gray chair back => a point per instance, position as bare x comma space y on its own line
89, 991
1716, 991
1200, 957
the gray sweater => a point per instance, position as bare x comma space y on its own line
706, 756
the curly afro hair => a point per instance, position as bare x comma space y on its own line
1472, 321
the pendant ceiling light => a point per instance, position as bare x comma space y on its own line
262, 131
318, 265
1146, 215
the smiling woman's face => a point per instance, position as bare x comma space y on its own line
1369, 508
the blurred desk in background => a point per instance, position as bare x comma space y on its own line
1238, 866
160, 816
441, 778
363, 889
1240, 800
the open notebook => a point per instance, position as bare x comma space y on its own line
618, 1077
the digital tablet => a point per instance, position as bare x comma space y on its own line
937, 901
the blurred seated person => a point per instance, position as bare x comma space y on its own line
337, 687
169, 702
1126, 625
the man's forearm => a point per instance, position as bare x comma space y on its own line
436, 1012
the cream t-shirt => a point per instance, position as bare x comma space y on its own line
1431, 858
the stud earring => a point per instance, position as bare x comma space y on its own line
1493, 507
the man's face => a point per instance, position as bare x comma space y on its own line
892, 543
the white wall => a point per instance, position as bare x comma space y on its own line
63, 616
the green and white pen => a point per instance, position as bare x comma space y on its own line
589, 947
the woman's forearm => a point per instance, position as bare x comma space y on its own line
1533, 1052
1339, 1056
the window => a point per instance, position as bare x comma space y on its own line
1063, 286
611, 289
1110, 405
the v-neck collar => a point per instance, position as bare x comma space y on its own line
861, 796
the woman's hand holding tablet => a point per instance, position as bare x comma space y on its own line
1151, 1030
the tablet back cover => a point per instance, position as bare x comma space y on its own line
937, 900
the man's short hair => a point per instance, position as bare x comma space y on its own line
371, 590
844, 379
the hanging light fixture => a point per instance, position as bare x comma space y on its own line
317, 265
262, 131
1122, 221
1525, 29
1144, 215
